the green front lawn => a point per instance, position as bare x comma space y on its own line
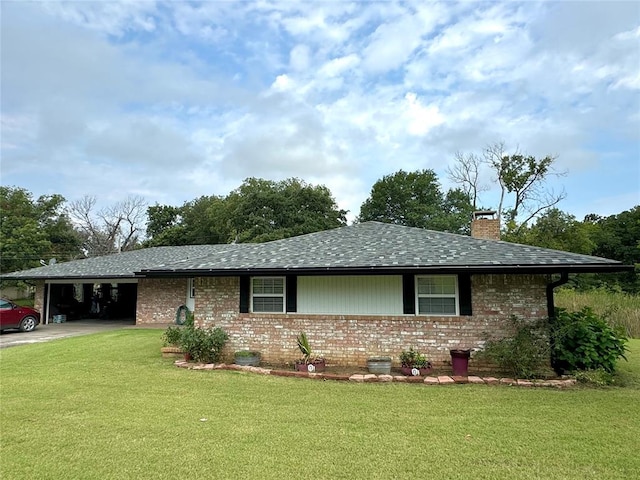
108, 406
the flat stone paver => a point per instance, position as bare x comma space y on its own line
444, 380
362, 378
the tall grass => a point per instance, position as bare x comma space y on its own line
619, 309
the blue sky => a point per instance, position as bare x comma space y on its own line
175, 100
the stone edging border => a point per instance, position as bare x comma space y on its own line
370, 378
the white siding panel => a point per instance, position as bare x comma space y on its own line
355, 295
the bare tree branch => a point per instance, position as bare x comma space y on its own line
111, 229
466, 173
522, 180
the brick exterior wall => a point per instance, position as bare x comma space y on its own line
348, 340
38, 299
487, 228
159, 299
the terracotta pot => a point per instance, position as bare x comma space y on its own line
313, 367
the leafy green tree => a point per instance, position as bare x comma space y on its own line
456, 212
257, 211
164, 226
522, 178
206, 220
263, 210
414, 199
618, 237
557, 230
200, 221
34, 230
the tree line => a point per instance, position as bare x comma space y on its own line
259, 210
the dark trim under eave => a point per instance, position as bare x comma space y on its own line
132, 276
506, 269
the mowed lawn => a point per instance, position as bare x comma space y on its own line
108, 406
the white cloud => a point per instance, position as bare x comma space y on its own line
124, 97
338, 66
299, 57
393, 42
421, 118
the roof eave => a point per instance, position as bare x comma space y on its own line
391, 270
65, 277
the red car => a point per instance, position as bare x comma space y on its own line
15, 316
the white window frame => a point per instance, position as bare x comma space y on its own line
282, 295
455, 295
191, 288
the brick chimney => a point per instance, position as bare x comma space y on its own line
485, 224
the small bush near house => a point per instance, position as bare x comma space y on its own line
203, 344
583, 340
171, 336
525, 354
413, 359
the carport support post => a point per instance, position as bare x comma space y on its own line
46, 307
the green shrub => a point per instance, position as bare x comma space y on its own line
585, 341
599, 377
171, 336
523, 355
203, 344
305, 348
246, 353
413, 359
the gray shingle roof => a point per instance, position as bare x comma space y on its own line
379, 246
359, 248
119, 265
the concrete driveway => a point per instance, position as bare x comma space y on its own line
44, 333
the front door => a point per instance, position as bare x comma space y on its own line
191, 294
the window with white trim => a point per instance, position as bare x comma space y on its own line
268, 294
437, 295
192, 288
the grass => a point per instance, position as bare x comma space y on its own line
24, 302
107, 406
618, 308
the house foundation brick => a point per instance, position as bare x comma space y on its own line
348, 340
159, 299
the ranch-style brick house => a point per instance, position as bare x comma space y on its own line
358, 291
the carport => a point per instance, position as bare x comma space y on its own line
97, 298
110, 281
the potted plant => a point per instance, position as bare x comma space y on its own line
247, 358
414, 363
171, 342
309, 362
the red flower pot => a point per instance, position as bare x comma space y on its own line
313, 367
412, 372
